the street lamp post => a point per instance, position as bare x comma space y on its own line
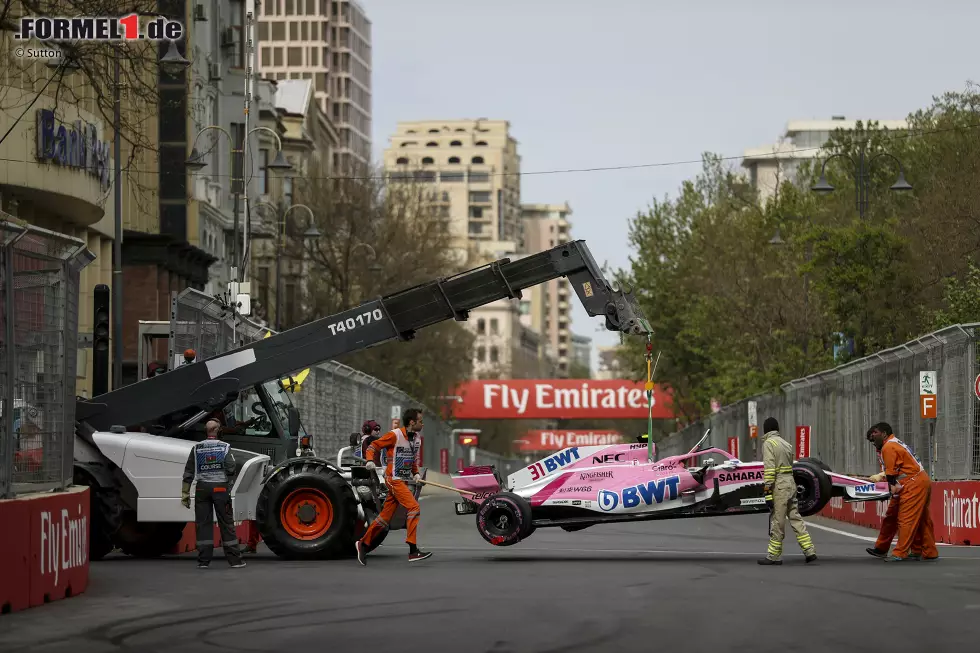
861, 169
197, 162
311, 233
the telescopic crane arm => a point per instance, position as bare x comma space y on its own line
213, 383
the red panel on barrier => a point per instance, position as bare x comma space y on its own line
59, 531
955, 510
15, 554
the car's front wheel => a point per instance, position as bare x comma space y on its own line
504, 519
813, 487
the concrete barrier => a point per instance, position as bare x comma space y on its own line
955, 508
44, 548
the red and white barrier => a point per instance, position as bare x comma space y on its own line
955, 510
44, 548
248, 531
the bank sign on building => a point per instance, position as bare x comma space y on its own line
72, 146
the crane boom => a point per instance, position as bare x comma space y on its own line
213, 383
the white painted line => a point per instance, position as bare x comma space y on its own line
519, 550
865, 538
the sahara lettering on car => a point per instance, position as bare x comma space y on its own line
658, 491
737, 477
579, 488
594, 476
552, 463
608, 458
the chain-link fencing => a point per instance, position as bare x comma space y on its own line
39, 272
841, 404
333, 399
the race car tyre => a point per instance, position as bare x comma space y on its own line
105, 508
504, 519
307, 511
813, 487
148, 539
816, 461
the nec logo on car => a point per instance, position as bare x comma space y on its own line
664, 489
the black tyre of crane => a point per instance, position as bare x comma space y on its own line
307, 511
105, 515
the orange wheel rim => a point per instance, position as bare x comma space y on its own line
306, 513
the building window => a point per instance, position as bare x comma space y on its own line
427, 160
264, 288
525, 307
481, 326
454, 159
264, 172
480, 196
494, 355
481, 143
494, 326
278, 31
479, 177
263, 31
287, 190
409, 144
460, 129
294, 56
402, 160
311, 7
453, 177
236, 24
238, 138
481, 354
477, 159
314, 56
277, 57
266, 57
304, 31
456, 144
433, 131
432, 144
410, 131
476, 211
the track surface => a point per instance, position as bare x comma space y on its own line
691, 585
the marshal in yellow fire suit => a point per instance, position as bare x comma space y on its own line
780, 490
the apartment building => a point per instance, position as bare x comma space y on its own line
609, 365
474, 170
309, 140
329, 43
582, 353
547, 226
505, 348
771, 165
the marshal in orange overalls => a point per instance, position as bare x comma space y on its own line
914, 518
402, 466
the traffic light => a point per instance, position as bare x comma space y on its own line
100, 341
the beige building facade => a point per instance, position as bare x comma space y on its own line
474, 170
505, 348
771, 165
327, 42
546, 226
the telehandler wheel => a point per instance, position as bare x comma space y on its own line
148, 539
307, 511
105, 508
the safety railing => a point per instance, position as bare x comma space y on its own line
39, 273
840, 405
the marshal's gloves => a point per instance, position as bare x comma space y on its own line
877, 478
417, 478
370, 465
185, 495
768, 493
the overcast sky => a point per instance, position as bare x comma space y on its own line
618, 82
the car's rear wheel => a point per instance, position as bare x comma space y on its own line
504, 519
813, 487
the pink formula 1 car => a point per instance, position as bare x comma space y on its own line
579, 487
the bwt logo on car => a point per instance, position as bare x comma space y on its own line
664, 489
553, 463
865, 488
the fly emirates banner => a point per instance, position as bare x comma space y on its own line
559, 399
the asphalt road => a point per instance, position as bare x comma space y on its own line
691, 585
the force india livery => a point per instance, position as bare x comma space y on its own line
579, 487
